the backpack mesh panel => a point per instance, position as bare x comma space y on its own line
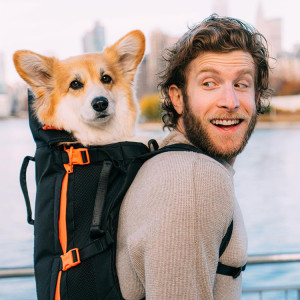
81, 282
82, 277
84, 199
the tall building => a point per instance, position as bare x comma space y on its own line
296, 49
272, 30
155, 63
142, 85
5, 101
2, 72
220, 7
94, 40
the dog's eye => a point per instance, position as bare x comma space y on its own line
75, 85
106, 79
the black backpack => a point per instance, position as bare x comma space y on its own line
79, 194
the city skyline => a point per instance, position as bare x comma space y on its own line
94, 40
57, 28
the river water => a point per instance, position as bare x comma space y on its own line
267, 187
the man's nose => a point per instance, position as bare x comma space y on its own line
229, 99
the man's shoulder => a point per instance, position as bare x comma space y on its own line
183, 162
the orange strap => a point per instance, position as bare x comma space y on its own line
62, 226
57, 290
79, 156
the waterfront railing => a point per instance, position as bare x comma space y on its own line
284, 291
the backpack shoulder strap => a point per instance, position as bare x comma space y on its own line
180, 147
226, 239
174, 147
224, 269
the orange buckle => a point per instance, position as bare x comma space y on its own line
77, 156
70, 259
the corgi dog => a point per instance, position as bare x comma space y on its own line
91, 95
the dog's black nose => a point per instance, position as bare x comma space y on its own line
100, 104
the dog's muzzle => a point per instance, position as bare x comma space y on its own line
100, 104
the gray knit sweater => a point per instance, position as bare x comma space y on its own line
171, 224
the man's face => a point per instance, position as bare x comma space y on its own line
218, 110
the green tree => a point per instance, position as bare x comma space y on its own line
150, 107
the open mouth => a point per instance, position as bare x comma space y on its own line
226, 123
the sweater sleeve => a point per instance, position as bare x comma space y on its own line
174, 253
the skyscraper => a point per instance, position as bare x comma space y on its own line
2, 77
153, 64
159, 42
271, 29
94, 40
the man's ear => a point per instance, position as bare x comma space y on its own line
176, 97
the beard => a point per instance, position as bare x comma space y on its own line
197, 134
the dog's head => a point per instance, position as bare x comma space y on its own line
90, 89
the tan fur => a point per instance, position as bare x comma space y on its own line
59, 105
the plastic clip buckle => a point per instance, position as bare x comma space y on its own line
77, 156
70, 259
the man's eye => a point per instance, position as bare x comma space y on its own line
106, 79
208, 84
241, 85
75, 85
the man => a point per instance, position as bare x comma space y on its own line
181, 204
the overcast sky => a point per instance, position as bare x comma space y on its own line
56, 27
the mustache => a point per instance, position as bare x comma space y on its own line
228, 116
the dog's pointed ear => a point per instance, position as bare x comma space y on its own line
35, 69
128, 52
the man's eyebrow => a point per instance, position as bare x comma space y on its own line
246, 71
208, 70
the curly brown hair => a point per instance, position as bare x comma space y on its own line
214, 34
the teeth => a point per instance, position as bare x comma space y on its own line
225, 122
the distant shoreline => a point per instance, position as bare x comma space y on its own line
278, 125
273, 123
157, 126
